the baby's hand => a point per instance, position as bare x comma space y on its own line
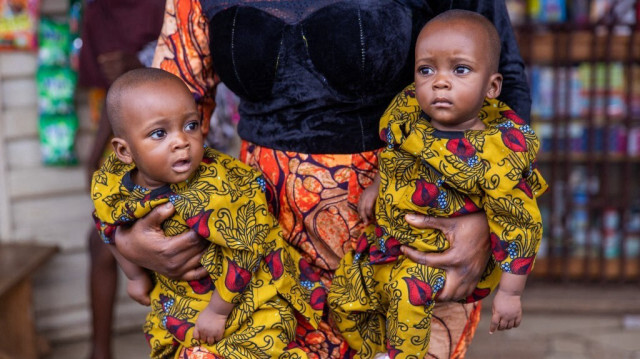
209, 326
367, 204
507, 311
139, 289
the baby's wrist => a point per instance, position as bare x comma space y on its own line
512, 292
512, 284
221, 311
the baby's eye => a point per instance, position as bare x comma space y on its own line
461, 70
158, 134
192, 126
425, 70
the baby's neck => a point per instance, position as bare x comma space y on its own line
475, 124
143, 181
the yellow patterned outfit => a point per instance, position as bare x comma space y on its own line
248, 261
378, 293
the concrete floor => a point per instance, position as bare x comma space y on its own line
560, 322
567, 322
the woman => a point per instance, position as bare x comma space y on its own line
314, 77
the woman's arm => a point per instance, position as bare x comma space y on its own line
468, 254
145, 244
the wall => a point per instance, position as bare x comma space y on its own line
48, 204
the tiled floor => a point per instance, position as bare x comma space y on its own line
560, 322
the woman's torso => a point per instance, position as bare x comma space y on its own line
314, 76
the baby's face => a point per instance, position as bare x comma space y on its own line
163, 132
453, 74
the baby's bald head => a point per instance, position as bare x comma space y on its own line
457, 17
126, 88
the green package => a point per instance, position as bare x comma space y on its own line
57, 139
56, 88
54, 43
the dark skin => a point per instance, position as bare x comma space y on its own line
179, 257
145, 244
466, 257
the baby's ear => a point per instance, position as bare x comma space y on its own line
495, 85
121, 149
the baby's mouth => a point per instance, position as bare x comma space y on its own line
182, 165
441, 102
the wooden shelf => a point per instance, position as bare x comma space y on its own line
538, 47
546, 157
574, 268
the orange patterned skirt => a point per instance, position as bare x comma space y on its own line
315, 198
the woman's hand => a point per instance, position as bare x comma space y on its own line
467, 256
145, 244
367, 202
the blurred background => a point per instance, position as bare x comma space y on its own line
583, 300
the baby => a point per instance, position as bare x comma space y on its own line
257, 284
452, 149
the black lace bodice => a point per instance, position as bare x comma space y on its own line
315, 76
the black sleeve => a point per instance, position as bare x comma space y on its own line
515, 88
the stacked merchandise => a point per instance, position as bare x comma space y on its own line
585, 86
604, 101
56, 83
578, 12
18, 20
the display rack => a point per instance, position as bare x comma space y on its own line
585, 82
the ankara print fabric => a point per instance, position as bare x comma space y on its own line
385, 307
454, 173
315, 198
249, 263
183, 50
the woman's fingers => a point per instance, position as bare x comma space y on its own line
157, 215
145, 244
196, 273
422, 221
182, 255
432, 259
455, 285
467, 256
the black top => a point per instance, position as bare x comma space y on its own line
315, 76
